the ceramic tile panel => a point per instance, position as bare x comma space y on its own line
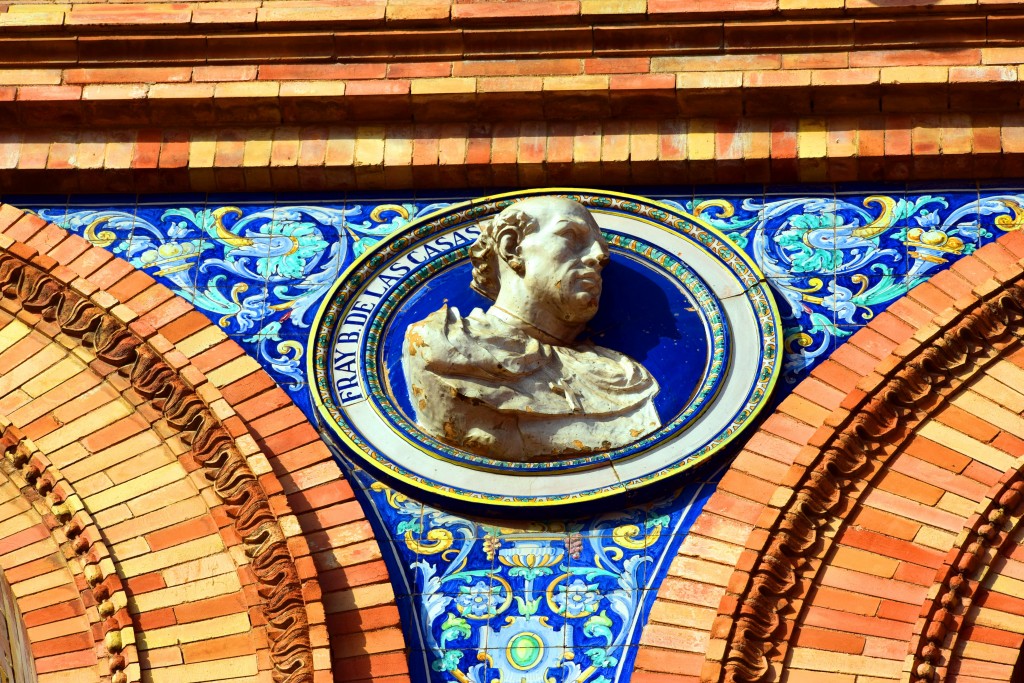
561, 598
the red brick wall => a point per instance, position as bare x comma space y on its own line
870, 529
316, 95
166, 512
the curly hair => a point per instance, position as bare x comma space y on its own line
484, 252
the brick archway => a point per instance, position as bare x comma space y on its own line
868, 527
174, 490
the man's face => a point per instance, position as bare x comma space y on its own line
562, 263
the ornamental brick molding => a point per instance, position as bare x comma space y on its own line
829, 478
396, 94
211, 445
990, 533
74, 529
280, 498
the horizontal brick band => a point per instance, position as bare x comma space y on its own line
508, 90
96, 14
534, 153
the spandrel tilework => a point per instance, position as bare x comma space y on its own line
488, 600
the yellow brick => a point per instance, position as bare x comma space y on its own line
140, 465
958, 505
417, 10
233, 370
12, 333
30, 368
12, 508
94, 484
247, 89
643, 141
38, 584
190, 633
313, 89
136, 487
204, 567
1002, 621
72, 676
64, 370
442, 86
863, 561
572, 83
161, 559
369, 149
986, 652
56, 8
991, 412
812, 138
158, 519
934, 538
167, 495
30, 76
914, 74
811, 4
257, 150
99, 418
700, 139
140, 443
679, 614
1006, 585
133, 547
961, 443
188, 592
995, 390
233, 670
613, 7
861, 665
202, 151
359, 598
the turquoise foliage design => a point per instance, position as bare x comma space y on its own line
835, 263
259, 272
562, 601
558, 601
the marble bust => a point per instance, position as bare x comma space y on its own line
512, 382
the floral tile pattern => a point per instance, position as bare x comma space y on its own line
560, 599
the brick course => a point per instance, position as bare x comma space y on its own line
188, 597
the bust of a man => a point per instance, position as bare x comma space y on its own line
512, 383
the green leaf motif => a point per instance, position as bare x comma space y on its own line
455, 626
599, 626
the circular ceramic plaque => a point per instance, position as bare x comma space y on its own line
678, 299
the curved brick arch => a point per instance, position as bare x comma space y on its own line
267, 486
819, 487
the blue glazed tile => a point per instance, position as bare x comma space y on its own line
172, 199
856, 299
103, 200
261, 199
999, 213
35, 201
809, 242
325, 198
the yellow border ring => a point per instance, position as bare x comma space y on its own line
751, 318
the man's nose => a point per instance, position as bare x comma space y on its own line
597, 256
